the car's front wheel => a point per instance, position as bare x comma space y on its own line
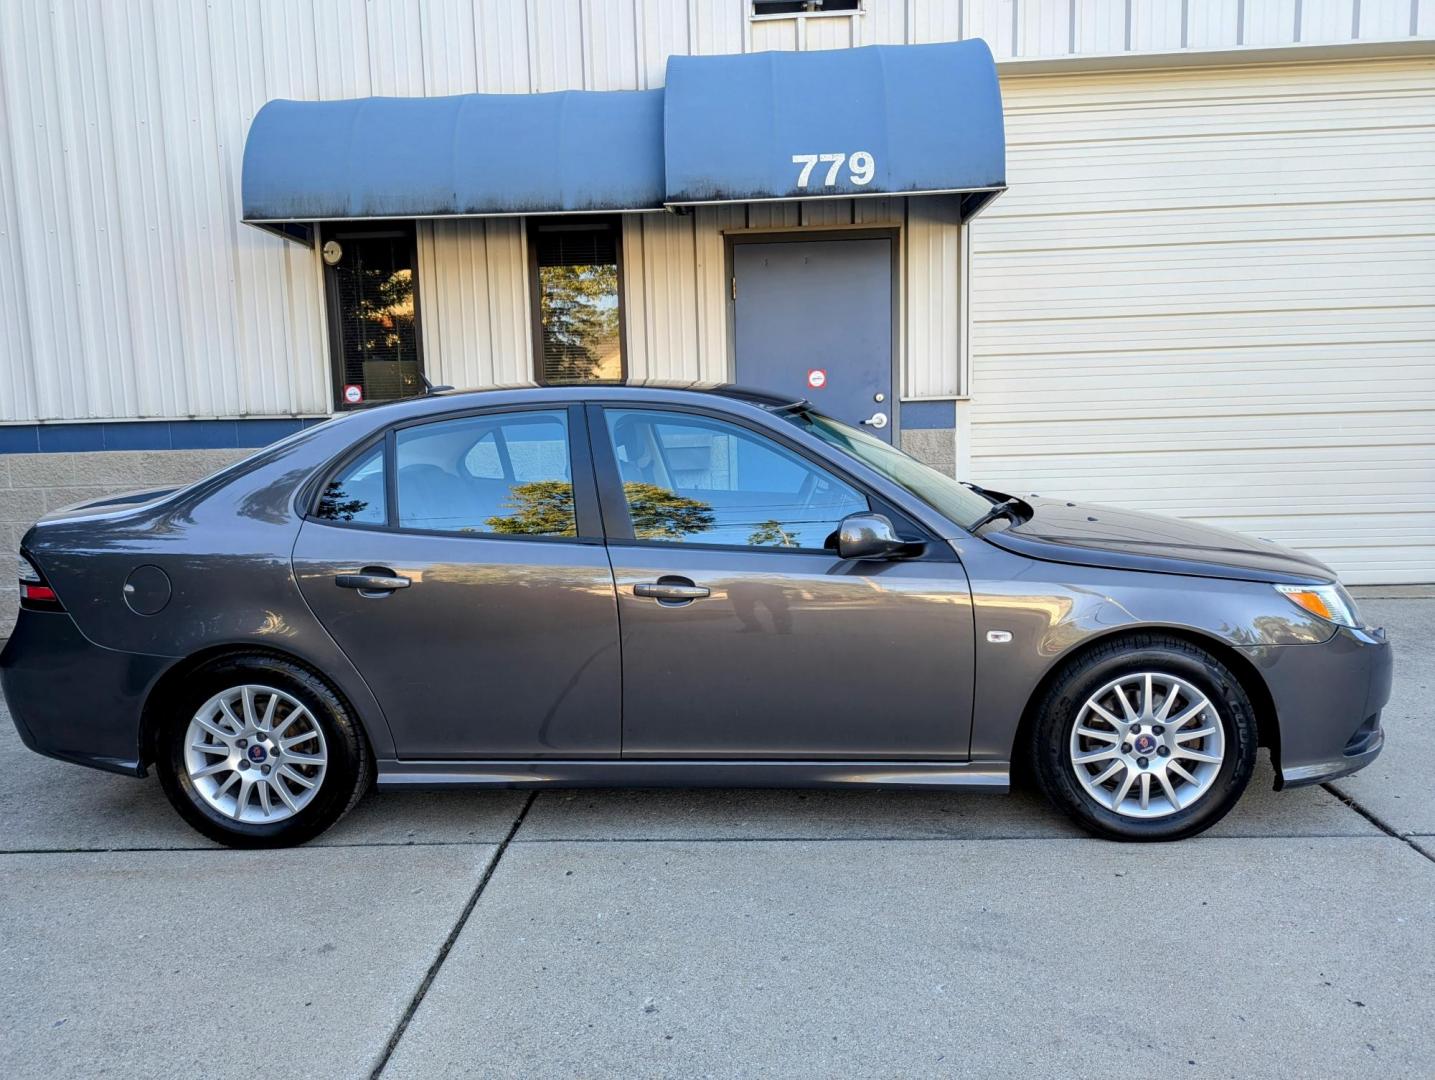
259, 752
1145, 738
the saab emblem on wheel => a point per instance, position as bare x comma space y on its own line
1145, 744
257, 753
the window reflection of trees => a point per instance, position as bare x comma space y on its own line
579, 310
545, 508
336, 505
771, 533
540, 508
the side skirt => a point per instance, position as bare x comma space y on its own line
993, 776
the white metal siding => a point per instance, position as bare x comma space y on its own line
131, 290
1211, 293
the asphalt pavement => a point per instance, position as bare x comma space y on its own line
729, 933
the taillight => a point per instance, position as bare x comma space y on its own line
35, 593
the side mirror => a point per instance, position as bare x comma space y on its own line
870, 536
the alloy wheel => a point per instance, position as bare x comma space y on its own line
1147, 745
255, 754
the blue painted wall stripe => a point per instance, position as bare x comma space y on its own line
146, 435
918, 415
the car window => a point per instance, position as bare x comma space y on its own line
356, 492
950, 497
507, 474
691, 479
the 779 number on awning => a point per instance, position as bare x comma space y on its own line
860, 165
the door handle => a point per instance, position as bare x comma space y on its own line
370, 582
877, 420
679, 591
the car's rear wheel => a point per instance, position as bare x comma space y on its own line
1146, 738
259, 752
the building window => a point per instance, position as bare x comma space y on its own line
787, 9
578, 332
372, 292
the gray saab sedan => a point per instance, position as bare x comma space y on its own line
657, 586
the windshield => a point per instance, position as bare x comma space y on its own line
949, 497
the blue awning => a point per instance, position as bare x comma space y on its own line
880, 120
469, 155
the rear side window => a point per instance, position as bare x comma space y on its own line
357, 492
507, 474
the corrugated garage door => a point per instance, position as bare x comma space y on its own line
1211, 293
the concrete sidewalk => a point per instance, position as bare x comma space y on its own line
728, 933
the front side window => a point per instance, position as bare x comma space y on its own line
373, 314
577, 312
499, 473
699, 480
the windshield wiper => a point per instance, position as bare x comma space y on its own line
1008, 508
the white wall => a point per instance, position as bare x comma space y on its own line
131, 290
1211, 293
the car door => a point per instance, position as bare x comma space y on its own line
744, 635
459, 563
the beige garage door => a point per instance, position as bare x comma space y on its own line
1211, 293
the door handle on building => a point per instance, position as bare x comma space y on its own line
877, 420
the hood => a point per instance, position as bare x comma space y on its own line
1089, 535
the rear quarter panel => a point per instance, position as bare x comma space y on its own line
225, 545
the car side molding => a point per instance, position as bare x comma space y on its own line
992, 776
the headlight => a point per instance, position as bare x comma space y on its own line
1331, 602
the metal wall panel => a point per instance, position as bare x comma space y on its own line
474, 303
1232, 318
134, 292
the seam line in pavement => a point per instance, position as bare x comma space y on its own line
911, 839
448, 943
1370, 816
215, 850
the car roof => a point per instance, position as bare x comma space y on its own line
764, 399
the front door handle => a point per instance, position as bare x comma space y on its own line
372, 581
877, 420
671, 591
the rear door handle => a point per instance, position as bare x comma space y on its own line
680, 591
372, 582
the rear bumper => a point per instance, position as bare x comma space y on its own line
1328, 699
73, 700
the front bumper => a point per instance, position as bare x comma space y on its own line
1328, 699
73, 700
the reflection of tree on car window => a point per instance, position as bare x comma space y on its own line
540, 508
660, 514
334, 506
770, 533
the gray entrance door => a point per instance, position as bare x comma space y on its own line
813, 318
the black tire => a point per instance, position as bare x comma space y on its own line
1058, 712
347, 774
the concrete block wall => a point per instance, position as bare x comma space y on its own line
35, 484
936, 447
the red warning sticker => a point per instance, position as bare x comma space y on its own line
817, 378
353, 393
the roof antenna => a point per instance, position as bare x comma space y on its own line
430, 389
